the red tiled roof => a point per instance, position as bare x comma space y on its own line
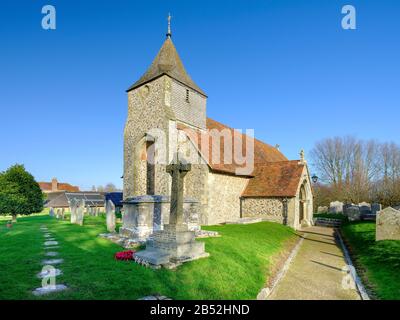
47, 186
273, 175
262, 152
275, 179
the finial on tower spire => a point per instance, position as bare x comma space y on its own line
169, 34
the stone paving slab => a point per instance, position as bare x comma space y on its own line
51, 254
52, 261
50, 243
316, 273
47, 273
51, 247
47, 290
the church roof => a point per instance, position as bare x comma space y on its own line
167, 62
275, 179
262, 152
273, 175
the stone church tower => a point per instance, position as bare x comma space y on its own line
164, 97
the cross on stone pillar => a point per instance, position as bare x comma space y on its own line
177, 169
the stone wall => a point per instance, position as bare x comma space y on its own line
224, 193
270, 209
146, 111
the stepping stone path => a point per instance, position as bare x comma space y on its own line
49, 244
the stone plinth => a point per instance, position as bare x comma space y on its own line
146, 214
171, 246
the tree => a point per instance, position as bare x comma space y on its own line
19, 192
354, 170
110, 187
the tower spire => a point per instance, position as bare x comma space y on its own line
169, 34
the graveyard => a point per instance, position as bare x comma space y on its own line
201, 154
234, 270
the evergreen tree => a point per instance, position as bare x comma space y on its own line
19, 192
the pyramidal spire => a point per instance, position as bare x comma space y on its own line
169, 34
167, 62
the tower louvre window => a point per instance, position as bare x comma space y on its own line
187, 95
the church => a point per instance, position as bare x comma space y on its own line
167, 115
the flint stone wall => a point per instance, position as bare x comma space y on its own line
270, 209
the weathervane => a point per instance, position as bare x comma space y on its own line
169, 34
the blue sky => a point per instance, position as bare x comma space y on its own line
284, 68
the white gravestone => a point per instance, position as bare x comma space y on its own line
336, 207
110, 216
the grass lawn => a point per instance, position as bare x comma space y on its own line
237, 268
379, 261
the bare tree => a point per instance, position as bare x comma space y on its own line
356, 170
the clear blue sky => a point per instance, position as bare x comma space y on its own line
285, 68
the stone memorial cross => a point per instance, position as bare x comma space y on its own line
177, 170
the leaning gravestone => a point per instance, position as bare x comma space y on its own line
51, 212
110, 216
336, 207
388, 224
353, 213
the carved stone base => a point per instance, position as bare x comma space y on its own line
173, 245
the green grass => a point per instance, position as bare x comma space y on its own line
237, 268
380, 260
338, 216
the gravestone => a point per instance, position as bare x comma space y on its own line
110, 216
353, 213
51, 212
346, 206
80, 212
375, 208
175, 243
388, 224
336, 207
365, 208
323, 209
73, 207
